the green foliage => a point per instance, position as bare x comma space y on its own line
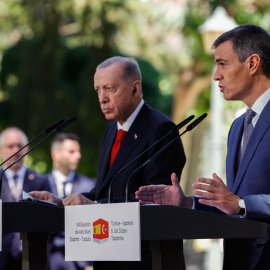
48, 72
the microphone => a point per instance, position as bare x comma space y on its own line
188, 128
47, 130
52, 129
179, 126
64, 125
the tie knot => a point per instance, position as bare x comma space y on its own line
120, 135
15, 177
249, 115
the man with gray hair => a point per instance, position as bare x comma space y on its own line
135, 126
16, 179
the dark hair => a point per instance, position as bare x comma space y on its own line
247, 40
131, 69
59, 138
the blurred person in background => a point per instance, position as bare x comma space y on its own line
16, 179
64, 180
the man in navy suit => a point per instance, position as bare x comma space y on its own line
16, 179
242, 56
118, 84
64, 180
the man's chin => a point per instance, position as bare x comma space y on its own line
109, 116
16, 165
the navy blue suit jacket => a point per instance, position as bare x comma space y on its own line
32, 181
147, 128
251, 181
80, 184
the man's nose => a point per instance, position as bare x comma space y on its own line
103, 96
217, 75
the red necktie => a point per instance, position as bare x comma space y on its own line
119, 138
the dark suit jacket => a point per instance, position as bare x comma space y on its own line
147, 128
32, 181
80, 184
251, 181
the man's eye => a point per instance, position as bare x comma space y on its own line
110, 90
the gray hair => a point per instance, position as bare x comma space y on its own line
23, 135
131, 69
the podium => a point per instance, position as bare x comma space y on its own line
164, 226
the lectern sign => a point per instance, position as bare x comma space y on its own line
103, 232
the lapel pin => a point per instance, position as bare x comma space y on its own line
135, 136
31, 176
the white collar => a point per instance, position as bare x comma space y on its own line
126, 126
61, 178
21, 172
260, 103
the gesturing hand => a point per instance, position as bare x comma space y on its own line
163, 194
218, 193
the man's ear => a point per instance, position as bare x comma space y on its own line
254, 63
136, 87
55, 154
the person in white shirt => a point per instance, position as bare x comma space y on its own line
64, 180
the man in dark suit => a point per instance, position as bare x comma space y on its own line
15, 180
135, 127
117, 82
242, 56
64, 180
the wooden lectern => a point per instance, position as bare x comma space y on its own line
164, 226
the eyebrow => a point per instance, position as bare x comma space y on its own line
220, 60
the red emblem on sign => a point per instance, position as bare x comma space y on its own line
100, 230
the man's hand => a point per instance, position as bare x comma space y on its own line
76, 199
46, 196
218, 194
162, 194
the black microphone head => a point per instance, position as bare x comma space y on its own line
196, 122
65, 124
183, 123
53, 126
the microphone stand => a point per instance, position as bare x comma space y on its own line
179, 126
189, 128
